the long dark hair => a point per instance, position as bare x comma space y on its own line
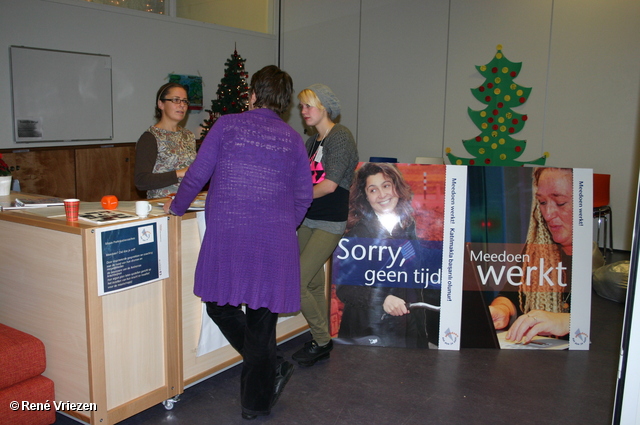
359, 207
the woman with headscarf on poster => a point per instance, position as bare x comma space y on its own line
380, 208
542, 309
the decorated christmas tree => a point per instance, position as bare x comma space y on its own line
498, 121
233, 92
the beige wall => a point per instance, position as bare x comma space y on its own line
403, 70
253, 15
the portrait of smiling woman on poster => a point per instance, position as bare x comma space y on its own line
382, 218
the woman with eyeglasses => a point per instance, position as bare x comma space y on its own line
166, 150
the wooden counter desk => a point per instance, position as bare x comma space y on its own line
124, 351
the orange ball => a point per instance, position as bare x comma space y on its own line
109, 202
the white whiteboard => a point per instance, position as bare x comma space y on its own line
60, 96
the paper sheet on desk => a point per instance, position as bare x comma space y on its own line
48, 212
197, 204
538, 343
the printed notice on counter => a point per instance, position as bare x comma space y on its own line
131, 254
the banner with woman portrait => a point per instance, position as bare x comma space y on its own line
528, 258
396, 271
452, 257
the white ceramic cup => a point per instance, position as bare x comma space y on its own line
143, 208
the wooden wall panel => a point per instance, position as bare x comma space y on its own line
84, 172
104, 171
46, 172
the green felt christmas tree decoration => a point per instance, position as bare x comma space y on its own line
498, 121
233, 92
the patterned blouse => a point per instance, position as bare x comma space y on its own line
174, 150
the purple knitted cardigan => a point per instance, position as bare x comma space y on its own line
260, 189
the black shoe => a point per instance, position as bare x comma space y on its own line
248, 416
312, 352
283, 373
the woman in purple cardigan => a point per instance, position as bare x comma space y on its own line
259, 191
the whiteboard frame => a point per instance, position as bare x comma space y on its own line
60, 96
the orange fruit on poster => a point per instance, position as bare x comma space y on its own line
109, 202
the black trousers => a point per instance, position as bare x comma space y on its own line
253, 335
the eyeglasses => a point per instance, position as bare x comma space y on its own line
177, 101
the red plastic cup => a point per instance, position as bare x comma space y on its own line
71, 207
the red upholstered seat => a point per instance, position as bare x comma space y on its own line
22, 360
22, 356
